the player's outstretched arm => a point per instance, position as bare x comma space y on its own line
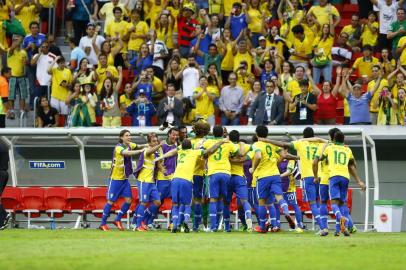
153, 149
275, 142
128, 153
167, 154
353, 172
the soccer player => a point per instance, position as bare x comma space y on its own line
238, 184
119, 185
147, 190
219, 168
265, 169
166, 171
201, 129
289, 170
307, 151
338, 158
182, 182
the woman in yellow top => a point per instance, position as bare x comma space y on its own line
276, 41
227, 44
164, 28
311, 27
387, 63
322, 61
290, 16
255, 25
369, 35
398, 82
204, 96
136, 34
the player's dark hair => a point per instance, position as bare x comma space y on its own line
298, 29
308, 132
254, 138
201, 129
261, 131
218, 131
234, 136
150, 136
333, 132
122, 133
181, 127
186, 144
339, 137
172, 129
117, 9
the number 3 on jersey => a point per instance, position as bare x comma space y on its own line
217, 155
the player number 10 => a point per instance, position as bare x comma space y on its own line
340, 158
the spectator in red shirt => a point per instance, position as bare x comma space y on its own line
326, 99
186, 30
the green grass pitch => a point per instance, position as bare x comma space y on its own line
92, 249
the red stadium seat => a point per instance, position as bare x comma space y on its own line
349, 10
55, 201
78, 202
126, 121
11, 199
165, 210
98, 200
32, 202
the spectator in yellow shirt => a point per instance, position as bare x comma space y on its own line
301, 49
61, 80
204, 96
106, 12
365, 63
103, 72
354, 31
136, 34
370, 29
28, 11
116, 29
323, 11
17, 59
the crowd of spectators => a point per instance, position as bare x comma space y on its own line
171, 62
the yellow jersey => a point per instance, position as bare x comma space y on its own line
16, 61
201, 162
307, 151
117, 166
268, 165
369, 38
302, 47
338, 156
239, 57
323, 167
125, 100
147, 172
324, 45
187, 159
205, 106
238, 167
401, 43
321, 13
27, 15
219, 161
58, 76
141, 28
375, 97
107, 11
102, 75
364, 66
227, 63
255, 25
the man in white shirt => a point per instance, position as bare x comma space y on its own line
160, 53
387, 15
190, 75
43, 59
86, 43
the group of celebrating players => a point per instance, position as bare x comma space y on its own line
262, 175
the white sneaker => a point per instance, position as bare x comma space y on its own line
249, 225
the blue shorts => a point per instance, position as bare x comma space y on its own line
252, 196
198, 185
164, 188
117, 189
324, 194
237, 185
147, 192
338, 188
218, 185
268, 185
311, 189
290, 198
181, 191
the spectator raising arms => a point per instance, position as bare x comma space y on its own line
204, 96
141, 110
